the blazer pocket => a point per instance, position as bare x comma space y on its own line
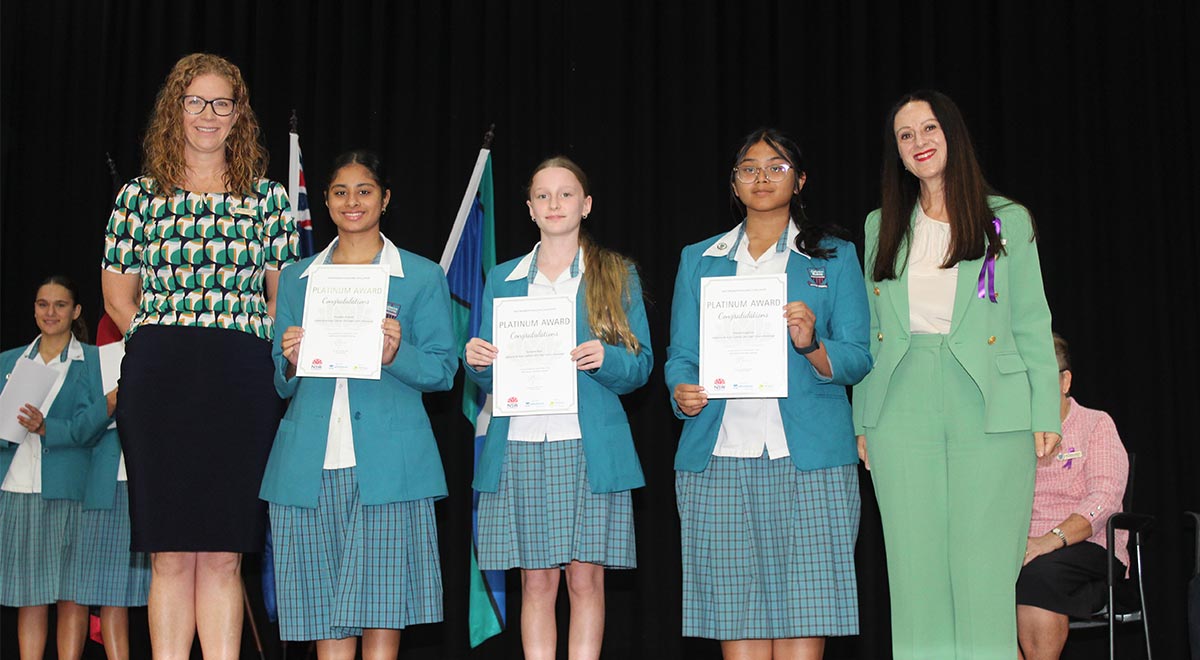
1010, 363
286, 430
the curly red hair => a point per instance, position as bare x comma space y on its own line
162, 148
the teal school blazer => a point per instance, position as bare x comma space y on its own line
395, 450
816, 413
74, 424
612, 461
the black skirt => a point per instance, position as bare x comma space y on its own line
197, 412
1070, 581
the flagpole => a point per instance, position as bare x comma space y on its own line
464, 208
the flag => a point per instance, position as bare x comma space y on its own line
470, 253
298, 194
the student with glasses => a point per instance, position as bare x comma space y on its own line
767, 488
191, 265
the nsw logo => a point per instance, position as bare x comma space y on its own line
316, 364
512, 402
719, 385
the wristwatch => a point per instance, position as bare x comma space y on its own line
1057, 531
811, 347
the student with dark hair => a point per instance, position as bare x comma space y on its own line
964, 383
554, 490
767, 488
355, 468
44, 475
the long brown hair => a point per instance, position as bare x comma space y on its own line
966, 192
162, 148
606, 277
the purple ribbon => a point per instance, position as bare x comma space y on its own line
1067, 465
987, 274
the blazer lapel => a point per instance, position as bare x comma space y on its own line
968, 280
898, 287
583, 330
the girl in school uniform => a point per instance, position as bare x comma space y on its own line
44, 475
355, 468
767, 489
554, 489
109, 575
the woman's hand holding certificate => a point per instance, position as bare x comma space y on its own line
343, 336
743, 337
534, 340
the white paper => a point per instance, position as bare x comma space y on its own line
29, 383
344, 308
534, 373
743, 337
110, 364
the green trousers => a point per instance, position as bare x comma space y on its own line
955, 503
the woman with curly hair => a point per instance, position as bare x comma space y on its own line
192, 256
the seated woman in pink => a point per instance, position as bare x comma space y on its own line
1077, 489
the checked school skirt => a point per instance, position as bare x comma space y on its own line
545, 515
107, 573
345, 566
768, 549
37, 549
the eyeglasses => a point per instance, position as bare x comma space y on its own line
194, 105
749, 173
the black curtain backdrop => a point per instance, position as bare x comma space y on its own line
1087, 112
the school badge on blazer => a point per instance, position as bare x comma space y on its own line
816, 278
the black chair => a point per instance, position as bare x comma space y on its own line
1122, 606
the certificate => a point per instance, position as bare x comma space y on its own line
344, 308
743, 337
111, 356
29, 383
534, 373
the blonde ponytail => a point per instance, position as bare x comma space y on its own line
606, 279
606, 275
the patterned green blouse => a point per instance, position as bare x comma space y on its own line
202, 257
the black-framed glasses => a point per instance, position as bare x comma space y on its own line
749, 173
194, 105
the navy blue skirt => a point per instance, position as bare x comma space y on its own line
197, 414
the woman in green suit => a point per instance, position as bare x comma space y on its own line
964, 379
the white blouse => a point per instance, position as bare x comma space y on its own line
547, 428
751, 425
339, 439
930, 287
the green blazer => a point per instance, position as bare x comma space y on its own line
1005, 346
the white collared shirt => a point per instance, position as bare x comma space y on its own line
548, 428
930, 287
339, 443
751, 425
25, 471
